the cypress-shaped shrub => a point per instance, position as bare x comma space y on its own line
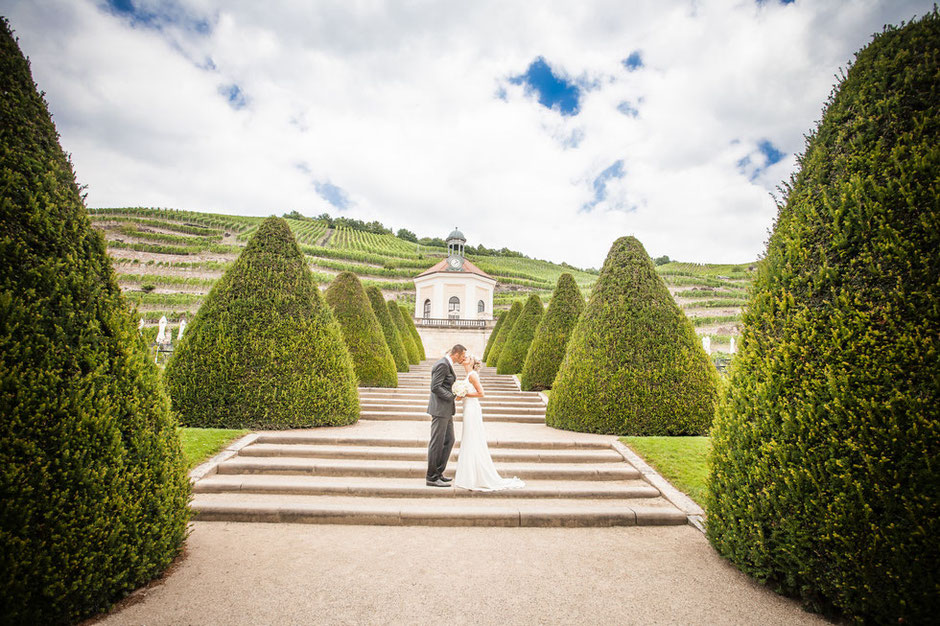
411, 348
510, 321
489, 342
264, 350
634, 365
374, 363
392, 338
413, 330
824, 480
512, 356
93, 482
551, 336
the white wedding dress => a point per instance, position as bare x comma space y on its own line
475, 468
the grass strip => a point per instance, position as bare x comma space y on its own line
683, 461
200, 444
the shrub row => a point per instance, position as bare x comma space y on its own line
389, 329
551, 337
512, 354
362, 333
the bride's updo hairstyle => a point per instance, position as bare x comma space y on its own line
477, 364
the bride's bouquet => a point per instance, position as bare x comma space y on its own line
461, 388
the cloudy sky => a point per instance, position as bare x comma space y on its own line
548, 127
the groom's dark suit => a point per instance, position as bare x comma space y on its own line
441, 407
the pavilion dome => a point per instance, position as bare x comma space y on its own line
456, 234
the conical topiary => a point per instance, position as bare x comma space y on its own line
392, 338
264, 350
824, 477
411, 348
512, 356
92, 477
489, 342
375, 365
413, 330
634, 365
551, 336
510, 320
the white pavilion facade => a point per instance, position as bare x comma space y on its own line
454, 292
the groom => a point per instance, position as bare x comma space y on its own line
442, 407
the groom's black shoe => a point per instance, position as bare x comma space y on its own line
437, 482
446, 479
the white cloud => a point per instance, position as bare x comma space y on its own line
398, 107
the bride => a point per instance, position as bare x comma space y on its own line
475, 469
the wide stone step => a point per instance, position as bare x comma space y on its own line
426, 386
415, 488
417, 469
319, 438
422, 402
424, 394
386, 415
420, 407
415, 453
280, 508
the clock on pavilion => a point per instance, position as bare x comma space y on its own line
454, 288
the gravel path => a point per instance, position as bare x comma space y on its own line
237, 573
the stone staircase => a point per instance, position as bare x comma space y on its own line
373, 472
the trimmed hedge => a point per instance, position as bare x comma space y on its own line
634, 365
411, 348
93, 481
824, 479
496, 327
551, 336
392, 338
264, 350
372, 358
510, 320
409, 320
512, 356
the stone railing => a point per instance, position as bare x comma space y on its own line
448, 322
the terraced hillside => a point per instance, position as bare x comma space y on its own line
167, 260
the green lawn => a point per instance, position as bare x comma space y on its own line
683, 461
201, 443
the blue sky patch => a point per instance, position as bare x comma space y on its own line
634, 61
332, 194
753, 165
615, 170
770, 151
628, 109
169, 14
554, 91
235, 96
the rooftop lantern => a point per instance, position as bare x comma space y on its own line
455, 250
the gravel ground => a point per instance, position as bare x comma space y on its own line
236, 573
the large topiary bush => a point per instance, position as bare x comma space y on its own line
824, 478
551, 336
500, 340
264, 350
634, 365
411, 348
413, 330
375, 365
489, 342
392, 338
512, 356
93, 483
